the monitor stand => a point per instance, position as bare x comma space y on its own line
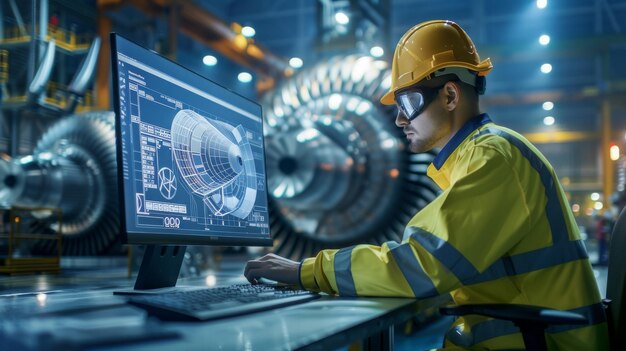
159, 270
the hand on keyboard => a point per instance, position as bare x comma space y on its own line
273, 267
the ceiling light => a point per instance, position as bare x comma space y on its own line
614, 152
342, 18
544, 39
548, 105
209, 60
248, 31
541, 4
546, 68
595, 196
244, 77
548, 120
598, 205
377, 51
295, 62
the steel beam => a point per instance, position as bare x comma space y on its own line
206, 28
614, 91
608, 168
101, 93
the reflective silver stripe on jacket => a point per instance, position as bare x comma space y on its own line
343, 272
525, 262
412, 271
553, 207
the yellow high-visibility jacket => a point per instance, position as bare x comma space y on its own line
500, 232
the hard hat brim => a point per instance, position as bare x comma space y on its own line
388, 98
483, 68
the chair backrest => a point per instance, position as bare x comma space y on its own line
616, 283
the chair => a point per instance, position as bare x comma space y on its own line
533, 320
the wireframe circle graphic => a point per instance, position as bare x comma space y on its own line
167, 183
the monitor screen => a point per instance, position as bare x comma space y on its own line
191, 159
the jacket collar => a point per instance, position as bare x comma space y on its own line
458, 138
440, 170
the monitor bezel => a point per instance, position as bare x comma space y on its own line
160, 238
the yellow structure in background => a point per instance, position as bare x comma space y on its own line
14, 232
56, 94
560, 137
69, 40
4, 66
15, 35
65, 39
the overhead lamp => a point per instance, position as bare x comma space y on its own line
548, 105
248, 31
614, 152
595, 196
544, 39
295, 62
209, 60
244, 77
342, 18
377, 51
548, 120
541, 4
546, 68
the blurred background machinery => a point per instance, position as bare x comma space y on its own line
338, 171
73, 168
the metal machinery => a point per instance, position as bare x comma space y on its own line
73, 168
338, 171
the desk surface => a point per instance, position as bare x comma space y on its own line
84, 316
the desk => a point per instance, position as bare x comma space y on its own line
63, 319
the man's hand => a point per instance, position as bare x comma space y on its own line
272, 267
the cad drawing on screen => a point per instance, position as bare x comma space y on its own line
215, 160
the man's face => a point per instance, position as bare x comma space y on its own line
430, 128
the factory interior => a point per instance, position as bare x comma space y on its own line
334, 171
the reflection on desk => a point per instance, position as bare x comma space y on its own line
77, 310
82, 320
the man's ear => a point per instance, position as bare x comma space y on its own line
453, 94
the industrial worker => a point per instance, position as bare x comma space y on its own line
501, 230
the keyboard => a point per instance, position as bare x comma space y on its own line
219, 302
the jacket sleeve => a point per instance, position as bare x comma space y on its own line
454, 241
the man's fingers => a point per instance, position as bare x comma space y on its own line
253, 274
252, 264
268, 257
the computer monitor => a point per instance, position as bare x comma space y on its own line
191, 162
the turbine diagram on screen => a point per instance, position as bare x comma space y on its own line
167, 183
215, 160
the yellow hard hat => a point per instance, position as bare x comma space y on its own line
429, 47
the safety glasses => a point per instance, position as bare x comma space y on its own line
413, 101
